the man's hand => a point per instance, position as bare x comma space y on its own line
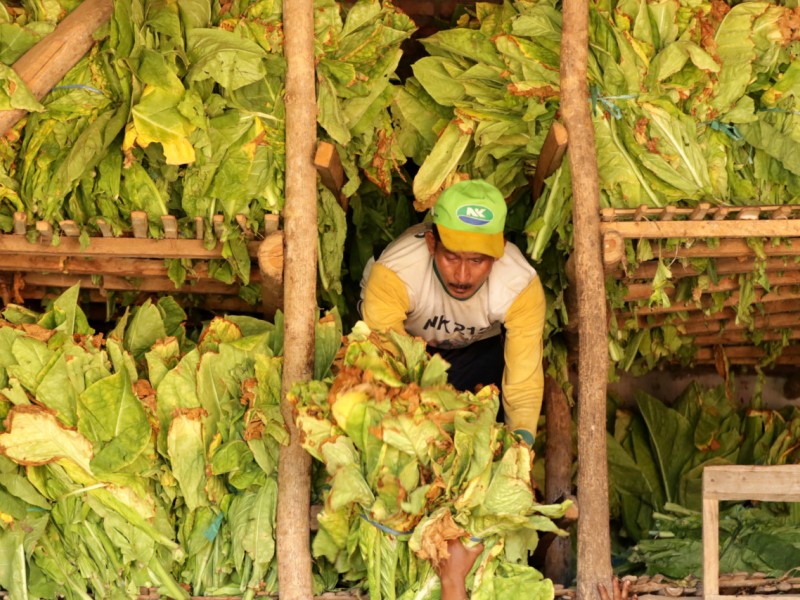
453, 570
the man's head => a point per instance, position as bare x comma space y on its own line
468, 235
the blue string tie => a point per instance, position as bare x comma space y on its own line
607, 102
397, 533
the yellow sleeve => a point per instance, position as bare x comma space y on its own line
385, 300
523, 378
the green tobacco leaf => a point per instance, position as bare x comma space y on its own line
34, 437
224, 56
144, 330
113, 418
187, 454
671, 438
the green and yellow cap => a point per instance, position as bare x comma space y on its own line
470, 216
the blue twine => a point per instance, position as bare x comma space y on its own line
397, 533
778, 110
79, 86
728, 129
607, 103
211, 532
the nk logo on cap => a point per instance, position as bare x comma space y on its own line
474, 214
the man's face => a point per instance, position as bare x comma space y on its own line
462, 273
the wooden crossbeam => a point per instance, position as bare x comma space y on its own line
145, 284
643, 291
696, 315
550, 157
704, 229
735, 338
126, 247
723, 266
789, 293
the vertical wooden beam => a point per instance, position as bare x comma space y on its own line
594, 545
558, 472
48, 61
300, 295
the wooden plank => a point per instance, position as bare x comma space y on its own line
329, 166
699, 213
170, 225
139, 224
241, 221
46, 63
722, 266
199, 228
748, 355
271, 223
104, 227
45, 231
643, 291
20, 223
704, 229
739, 337
145, 284
791, 293
696, 314
126, 247
69, 228
120, 266
271, 261
760, 323
773, 483
710, 546
218, 223
550, 157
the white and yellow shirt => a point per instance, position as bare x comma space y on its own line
402, 291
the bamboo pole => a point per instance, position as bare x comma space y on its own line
300, 301
594, 545
51, 58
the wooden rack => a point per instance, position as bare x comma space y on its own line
32, 267
719, 233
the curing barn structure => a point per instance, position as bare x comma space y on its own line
276, 252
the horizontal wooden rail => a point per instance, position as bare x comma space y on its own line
722, 266
643, 291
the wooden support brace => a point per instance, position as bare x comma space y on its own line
270, 262
241, 221
20, 223
329, 166
641, 213
139, 223
271, 224
170, 225
45, 231
668, 213
699, 213
218, 223
199, 228
104, 227
749, 214
721, 213
69, 228
550, 157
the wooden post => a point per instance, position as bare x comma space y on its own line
300, 295
44, 65
558, 472
594, 545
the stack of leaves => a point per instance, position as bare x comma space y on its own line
180, 111
691, 102
410, 464
139, 459
481, 104
656, 460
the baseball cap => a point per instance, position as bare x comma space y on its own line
470, 216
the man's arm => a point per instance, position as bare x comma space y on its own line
523, 378
385, 300
453, 570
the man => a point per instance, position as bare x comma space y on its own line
470, 295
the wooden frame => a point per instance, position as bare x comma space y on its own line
777, 483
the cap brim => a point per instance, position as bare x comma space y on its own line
490, 244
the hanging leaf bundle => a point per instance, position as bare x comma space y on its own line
180, 111
411, 463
